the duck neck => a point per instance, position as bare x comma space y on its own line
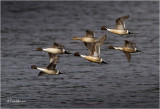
118, 48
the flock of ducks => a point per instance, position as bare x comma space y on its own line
93, 46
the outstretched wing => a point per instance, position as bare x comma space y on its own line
41, 73
59, 46
53, 57
120, 24
127, 55
51, 66
129, 44
96, 46
90, 47
89, 33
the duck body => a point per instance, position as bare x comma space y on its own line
94, 49
48, 71
85, 39
129, 47
95, 59
88, 38
120, 28
126, 49
118, 31
54, 50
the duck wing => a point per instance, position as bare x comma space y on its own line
53, 57
129, 44
89, 33
41, 73
120, 24
90, 47
51, 66
127, 55
97, 44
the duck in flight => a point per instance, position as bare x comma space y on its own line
120, 28
94, 49
88, 38
55, 49
50, 69
129, 47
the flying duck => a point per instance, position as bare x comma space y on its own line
94, 49
129, 47
120, 28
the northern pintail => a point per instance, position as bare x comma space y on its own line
120, 28
55, 49
88, 38
129, 47
94, 49
50, 69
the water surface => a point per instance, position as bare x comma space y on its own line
119, 84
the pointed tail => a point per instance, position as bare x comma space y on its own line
132, 33
76, 38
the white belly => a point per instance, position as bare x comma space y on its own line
53, 50
119, 32
47, 71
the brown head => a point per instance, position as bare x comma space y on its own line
76, 54
110, 47
103, 28
39, 49
34, 67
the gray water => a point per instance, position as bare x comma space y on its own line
119, 84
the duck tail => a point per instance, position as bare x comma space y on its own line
34, 67
104, 62
66, 52
76, 38
76, 54
111, 47
39, 49
103, 28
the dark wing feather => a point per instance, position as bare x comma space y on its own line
127, 55
90, 47
101, 39
51, 66
120, 22
41, 73
129, 44
55, 45
89, 33
53, 57
126, 43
